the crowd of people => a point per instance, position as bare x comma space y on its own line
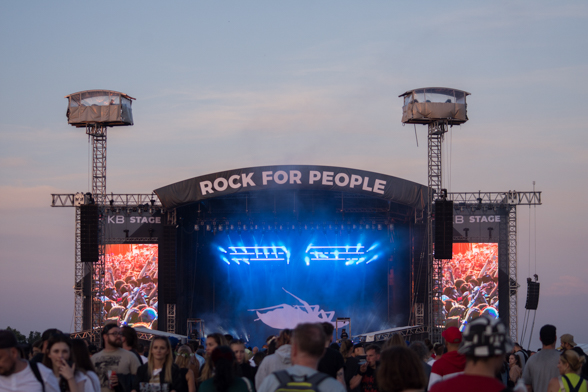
482, 357
470, 284
131, 281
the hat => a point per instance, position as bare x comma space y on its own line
7, 339
567, 338
485, 337
452, 335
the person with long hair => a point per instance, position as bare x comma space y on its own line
160, 368
515, 369
351, 367
225, 377
400, 370
188, 364
569, 366
213, 340
395, 340
59, 358
83, 363
245, 369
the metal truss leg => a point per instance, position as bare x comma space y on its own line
171, 318
512, 271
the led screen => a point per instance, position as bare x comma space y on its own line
253, 284
130, 294
470, 283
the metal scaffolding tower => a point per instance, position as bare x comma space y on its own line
436, 132
97, 134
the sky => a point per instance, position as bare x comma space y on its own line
231, 84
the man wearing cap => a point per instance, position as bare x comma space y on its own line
16, 374
450, 364
567, 343
486, 342
542, 367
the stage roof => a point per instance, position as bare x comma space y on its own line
293, 177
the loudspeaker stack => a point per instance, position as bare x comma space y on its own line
443, 229
89, 233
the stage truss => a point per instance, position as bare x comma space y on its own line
115, 201
509, 199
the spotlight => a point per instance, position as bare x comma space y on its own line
111, 202
208, 228
379, 226
232, 227
196, 227
220, 227
152, 202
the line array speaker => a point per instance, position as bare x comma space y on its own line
532, 295
89, 233
167, 266
443, 229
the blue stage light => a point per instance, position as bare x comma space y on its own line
307, 260
374, 246
225, 260
372, 259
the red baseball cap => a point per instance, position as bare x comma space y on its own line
452, 335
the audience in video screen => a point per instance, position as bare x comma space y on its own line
130, 293
470, 283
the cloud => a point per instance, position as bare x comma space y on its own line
13, 162
567, 285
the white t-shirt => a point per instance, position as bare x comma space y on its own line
84, 383
25, 381
94, 379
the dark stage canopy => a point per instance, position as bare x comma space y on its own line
293, 177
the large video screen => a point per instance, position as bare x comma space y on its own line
130, 294
253, 284
470, 283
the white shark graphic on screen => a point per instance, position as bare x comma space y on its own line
288, 316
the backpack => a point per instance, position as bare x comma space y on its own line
309, 384
571, 388
37, 374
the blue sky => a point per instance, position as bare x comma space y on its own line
222, 85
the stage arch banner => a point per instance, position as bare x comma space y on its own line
293, 177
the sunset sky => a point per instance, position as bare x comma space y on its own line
224, 85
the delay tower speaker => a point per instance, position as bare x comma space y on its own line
532, 295
443, 229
